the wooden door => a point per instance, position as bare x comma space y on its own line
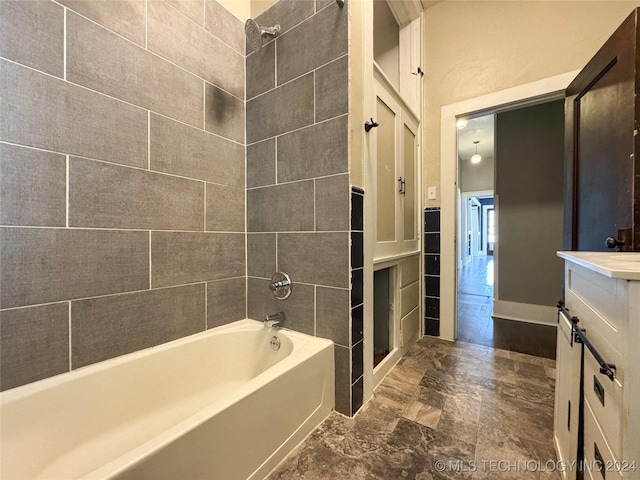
601, 112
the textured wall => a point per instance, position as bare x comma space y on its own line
298, 191
122, 178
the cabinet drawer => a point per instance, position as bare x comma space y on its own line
606, 297
605, 398
595, 445
602, 333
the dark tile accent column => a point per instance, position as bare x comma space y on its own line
357, 297
432, 271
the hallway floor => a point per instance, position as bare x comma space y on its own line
444, 401
476, 324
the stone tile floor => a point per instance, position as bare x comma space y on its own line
486, 413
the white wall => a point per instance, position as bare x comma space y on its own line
478, 176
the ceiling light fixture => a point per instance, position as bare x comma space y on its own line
461, 123
476, 158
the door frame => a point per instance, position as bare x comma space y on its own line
544, 90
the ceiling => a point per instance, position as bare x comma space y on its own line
479, 128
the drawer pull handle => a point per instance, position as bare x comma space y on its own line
597, 387
599, 462
578, 335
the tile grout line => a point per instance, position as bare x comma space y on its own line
126, 102
206, 305
70, 339
149, 140
150, 285
64, 44
130, 292
204, 200
67, 191
315, 307
298, 77
278, 135
146, 24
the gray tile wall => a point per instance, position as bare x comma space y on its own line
298, 192
122, 209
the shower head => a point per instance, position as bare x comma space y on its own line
255, 33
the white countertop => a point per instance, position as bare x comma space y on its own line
624, 265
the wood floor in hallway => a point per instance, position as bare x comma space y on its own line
446, 411
476, 324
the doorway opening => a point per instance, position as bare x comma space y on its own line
519, 96
476, 228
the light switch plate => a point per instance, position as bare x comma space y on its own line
431, 193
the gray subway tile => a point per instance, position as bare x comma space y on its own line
178, 39
286, 13
332, 203
226, 301
261, 70
281, 207
332, 89
225, 208
112, 196
194, 9
32, 187
103, 61
34, 344
342, 379
125, 17
41, 111
281, 110
318, 40
261, 254
298, 307
314, 151
178, 258
49, 265
189, 152
318, 258
332, 314
32, 33
224, 114
261, 163
108, 327
224, 25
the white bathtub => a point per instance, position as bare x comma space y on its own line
217, 405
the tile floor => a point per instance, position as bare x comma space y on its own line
453, 402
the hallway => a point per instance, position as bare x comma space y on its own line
444, 401
475, 322
475, 301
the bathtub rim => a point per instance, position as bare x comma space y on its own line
246, 324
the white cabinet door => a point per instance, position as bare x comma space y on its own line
567, 396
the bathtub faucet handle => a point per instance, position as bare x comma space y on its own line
274, 321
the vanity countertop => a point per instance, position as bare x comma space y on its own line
625, 265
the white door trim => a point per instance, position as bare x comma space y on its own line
527, 94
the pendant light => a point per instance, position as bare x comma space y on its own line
476, 158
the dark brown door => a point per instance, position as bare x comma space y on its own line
601, 113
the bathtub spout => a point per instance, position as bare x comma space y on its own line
274, 321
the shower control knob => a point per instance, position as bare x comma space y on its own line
280, 285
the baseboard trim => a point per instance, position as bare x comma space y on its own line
525, 312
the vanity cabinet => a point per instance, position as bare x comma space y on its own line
602, 291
